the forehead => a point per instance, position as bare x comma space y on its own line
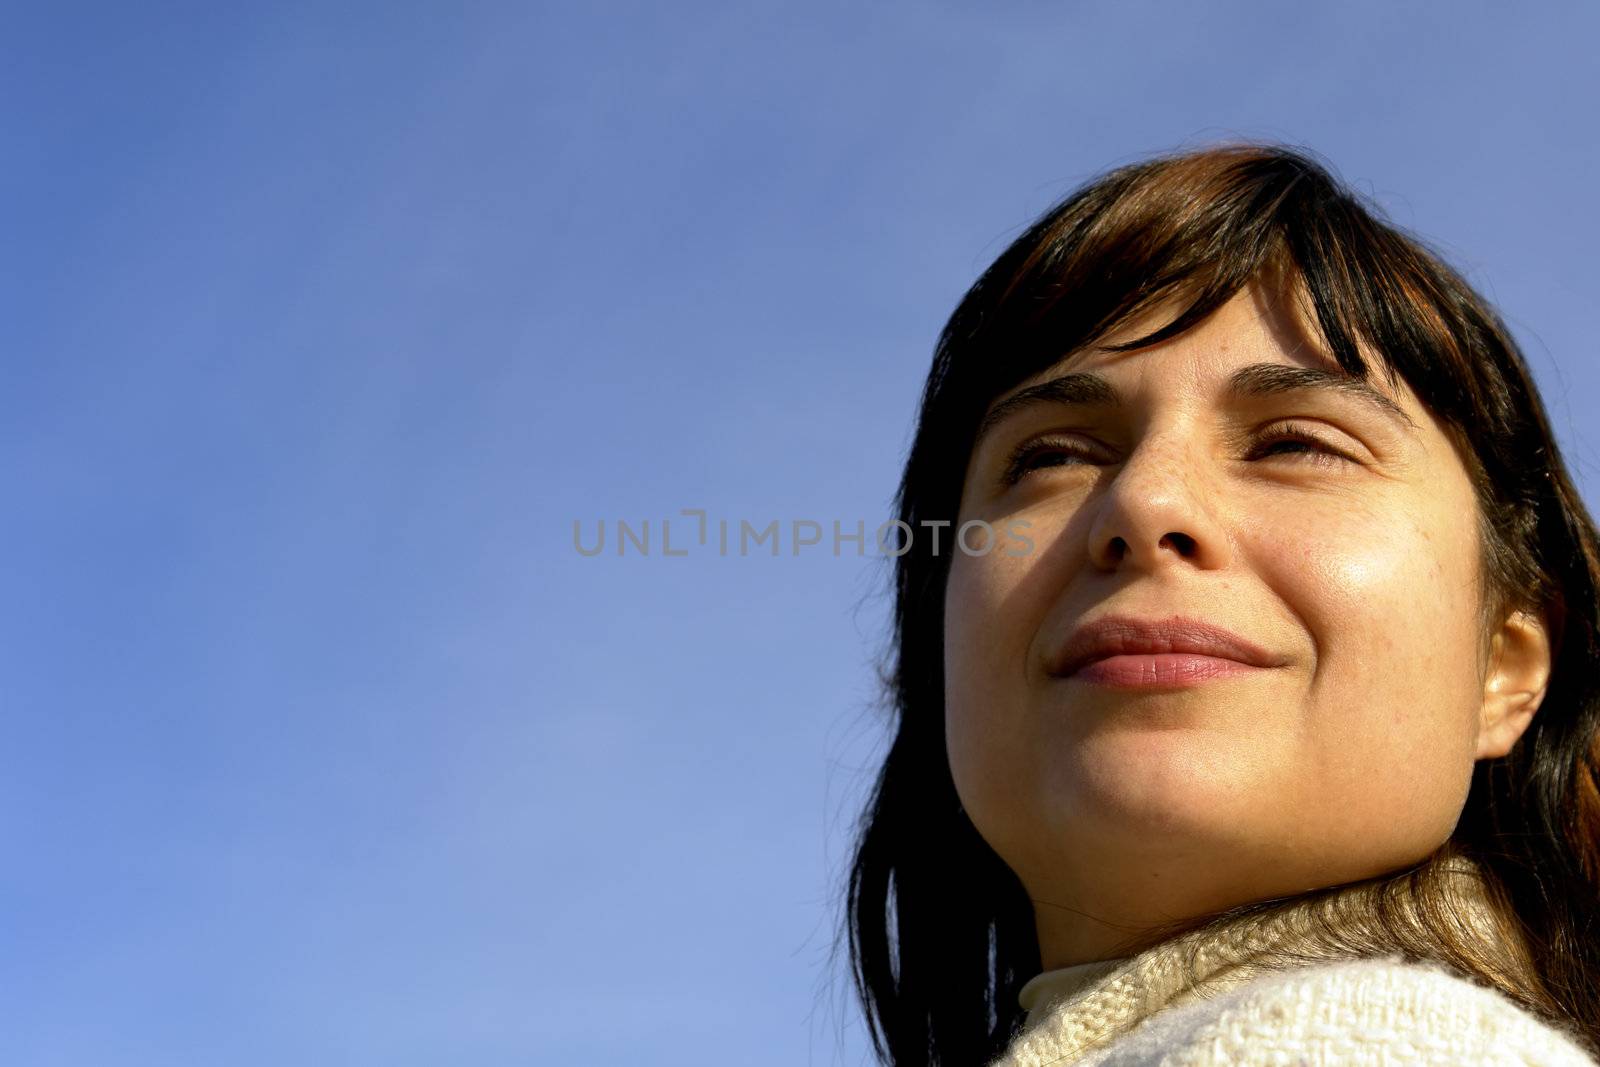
1254, 323
1251, 346
1258, 324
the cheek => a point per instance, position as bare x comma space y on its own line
992, 611
1388, 599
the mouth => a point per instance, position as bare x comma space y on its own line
1166, 670
1125, 652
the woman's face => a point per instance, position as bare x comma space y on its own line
1149, 787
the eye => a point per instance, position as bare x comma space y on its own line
1286, 439
1311, 448
1038, 454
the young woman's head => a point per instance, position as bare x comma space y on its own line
1273, 583
1225, 487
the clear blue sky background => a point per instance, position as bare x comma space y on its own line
323, 323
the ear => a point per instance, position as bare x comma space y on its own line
1519, 673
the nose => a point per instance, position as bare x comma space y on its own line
1159, 510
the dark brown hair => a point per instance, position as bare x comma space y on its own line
941, 933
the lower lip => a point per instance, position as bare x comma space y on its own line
1163, 670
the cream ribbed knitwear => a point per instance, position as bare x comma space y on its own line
1138, 1011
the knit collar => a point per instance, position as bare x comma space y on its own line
1073, 1010
1045, 990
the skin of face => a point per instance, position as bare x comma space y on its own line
1355, 562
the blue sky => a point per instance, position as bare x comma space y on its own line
325, 322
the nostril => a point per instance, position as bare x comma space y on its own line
1182, 542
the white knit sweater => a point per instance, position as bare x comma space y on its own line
1141, 1011
1372, 1011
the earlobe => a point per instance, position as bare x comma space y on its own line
1514, 687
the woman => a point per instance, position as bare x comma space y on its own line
1253, 716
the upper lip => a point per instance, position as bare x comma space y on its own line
1117, 635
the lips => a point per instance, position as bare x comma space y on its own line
1126, 635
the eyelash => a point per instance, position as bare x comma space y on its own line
1015, 468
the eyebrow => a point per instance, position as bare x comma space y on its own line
1255, 380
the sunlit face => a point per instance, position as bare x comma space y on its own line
1337, 536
